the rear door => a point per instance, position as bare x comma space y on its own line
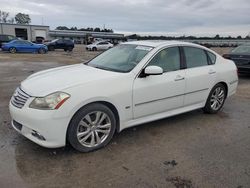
200, 75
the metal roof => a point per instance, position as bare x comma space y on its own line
67, 33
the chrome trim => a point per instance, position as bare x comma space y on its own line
19, 98
138, 104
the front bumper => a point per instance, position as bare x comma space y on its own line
43, 127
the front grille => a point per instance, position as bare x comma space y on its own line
19, 98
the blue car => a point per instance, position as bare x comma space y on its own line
24, 46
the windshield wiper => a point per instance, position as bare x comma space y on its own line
106, 68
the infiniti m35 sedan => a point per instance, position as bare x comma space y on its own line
130, 84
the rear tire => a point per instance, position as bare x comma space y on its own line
216, 99
12, 50
91, 128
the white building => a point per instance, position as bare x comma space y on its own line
26, 32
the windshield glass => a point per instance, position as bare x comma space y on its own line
242, 50
122, 58
54, 40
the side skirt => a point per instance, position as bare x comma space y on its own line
161, 115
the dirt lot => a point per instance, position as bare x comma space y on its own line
186, 151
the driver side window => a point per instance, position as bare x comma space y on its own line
168, 59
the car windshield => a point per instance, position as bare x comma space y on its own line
122, 58
54, 40
242, 50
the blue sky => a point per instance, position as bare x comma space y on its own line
155, 17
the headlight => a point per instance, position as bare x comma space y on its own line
50, 102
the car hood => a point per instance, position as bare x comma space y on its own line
58, 79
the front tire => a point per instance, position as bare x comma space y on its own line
91, 128
216, 99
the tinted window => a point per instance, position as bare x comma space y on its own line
59, 41
242, 50
168, 59
195, 57
18, 42
27, 43
212, 57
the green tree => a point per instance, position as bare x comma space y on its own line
62, 28
22, 18
217, 36
97, 29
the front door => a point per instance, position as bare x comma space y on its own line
160, 93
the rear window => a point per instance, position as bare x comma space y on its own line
212, 57
195, 57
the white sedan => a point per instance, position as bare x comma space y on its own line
100, 45
131, 84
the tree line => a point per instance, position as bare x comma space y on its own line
138, 37
97, 29
20, 18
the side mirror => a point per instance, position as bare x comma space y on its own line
153, 70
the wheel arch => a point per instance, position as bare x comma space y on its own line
108, 104
225, 85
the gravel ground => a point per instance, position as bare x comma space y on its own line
185, 151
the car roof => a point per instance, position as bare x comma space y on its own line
158, 43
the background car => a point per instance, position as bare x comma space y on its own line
241, 57
6, 38
24, 46
65, 44
100, 45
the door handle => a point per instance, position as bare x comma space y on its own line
178, 78
211, 72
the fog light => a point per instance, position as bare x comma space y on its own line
37, 135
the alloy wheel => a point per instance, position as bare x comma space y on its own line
93, 129
217, 98
12, 50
